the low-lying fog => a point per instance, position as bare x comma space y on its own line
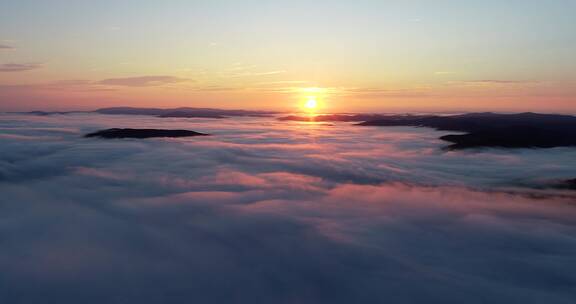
268, 211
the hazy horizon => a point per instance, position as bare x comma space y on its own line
298, 110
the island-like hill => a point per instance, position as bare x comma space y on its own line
523, 130
568, 184
143, 133
183, 112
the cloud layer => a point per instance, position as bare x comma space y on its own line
142, 81
19, 67
276, 212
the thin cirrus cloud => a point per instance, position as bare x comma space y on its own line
494, 82
240, 70
142, 81
82, 85
6, 47
216, 88
381, 93
19, 67
256, 74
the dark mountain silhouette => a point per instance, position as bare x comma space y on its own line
143, 133
195, 114
523, 130
183, 112
568, 184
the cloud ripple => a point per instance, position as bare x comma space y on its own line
276, 212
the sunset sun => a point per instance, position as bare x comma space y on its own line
311, 98
311, 103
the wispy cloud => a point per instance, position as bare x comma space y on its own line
255, 74
77, 85
493, 83
217, 88
240, 69
63, 85
83, 85
496, 81
19, 67
142, 81
286, 86
382, 93
6, 47
444, 73
282, 83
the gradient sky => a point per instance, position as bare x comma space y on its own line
364, 55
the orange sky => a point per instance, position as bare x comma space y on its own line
363, 55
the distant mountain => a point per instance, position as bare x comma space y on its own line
523, 130
568, 184
47, 113
131, 111
183, 112
143, 133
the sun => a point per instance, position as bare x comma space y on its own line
311, 99
311, 103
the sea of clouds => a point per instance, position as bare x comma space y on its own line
266, 211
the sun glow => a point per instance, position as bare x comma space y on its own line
311, 103
311, 98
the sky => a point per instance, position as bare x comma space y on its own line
363, 55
